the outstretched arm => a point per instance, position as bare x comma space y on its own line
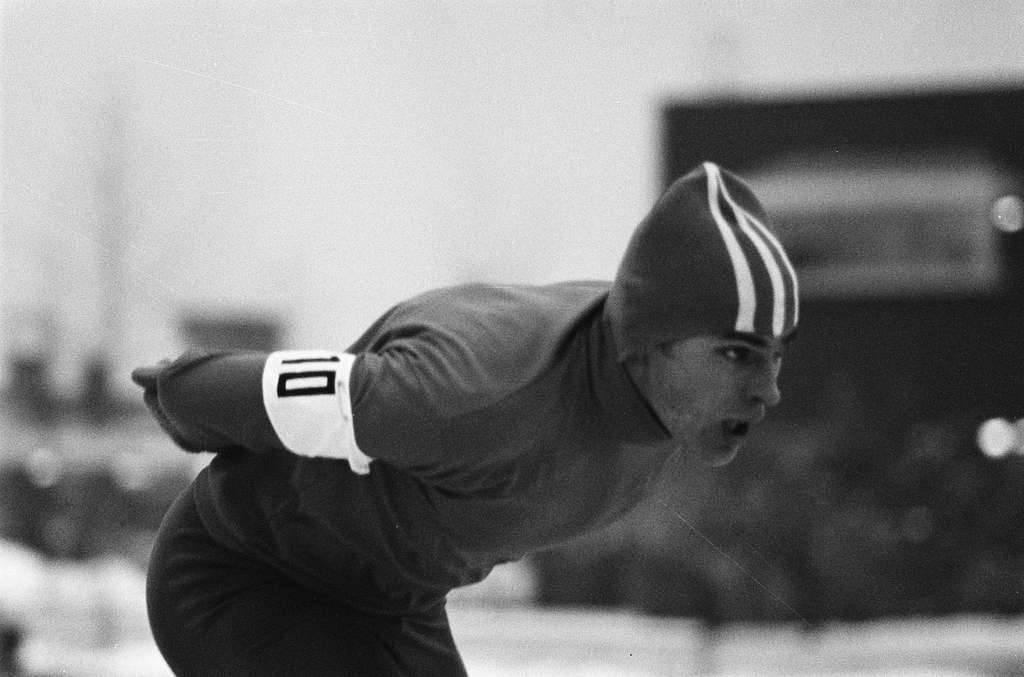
292, 400
210, 401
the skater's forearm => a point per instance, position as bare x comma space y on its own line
213, 401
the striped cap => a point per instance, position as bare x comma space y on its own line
704, 261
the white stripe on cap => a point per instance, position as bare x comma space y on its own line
740, 267
756, 235
780, 254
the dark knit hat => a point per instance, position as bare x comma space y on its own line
704, 261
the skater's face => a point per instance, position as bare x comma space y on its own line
710, 391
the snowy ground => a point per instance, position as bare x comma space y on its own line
87, 620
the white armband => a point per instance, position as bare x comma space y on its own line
306, 395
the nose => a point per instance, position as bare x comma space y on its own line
764, 388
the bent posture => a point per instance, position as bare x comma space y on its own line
466, 427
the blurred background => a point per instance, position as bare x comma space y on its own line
259, 174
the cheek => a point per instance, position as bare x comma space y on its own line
680, 404
703, 383
695, 397
715, 398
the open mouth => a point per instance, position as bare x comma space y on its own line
735, 427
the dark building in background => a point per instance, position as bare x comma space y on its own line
232, 331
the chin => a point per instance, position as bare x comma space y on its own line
709, 446
718, 456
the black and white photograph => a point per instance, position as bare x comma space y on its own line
488, 338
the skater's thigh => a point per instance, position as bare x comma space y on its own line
212, 614
276, 628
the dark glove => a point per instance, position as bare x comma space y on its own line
149, 379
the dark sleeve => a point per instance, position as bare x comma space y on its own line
216, 399
427, 404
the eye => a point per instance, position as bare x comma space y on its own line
737, 354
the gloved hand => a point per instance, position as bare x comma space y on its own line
149, 378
